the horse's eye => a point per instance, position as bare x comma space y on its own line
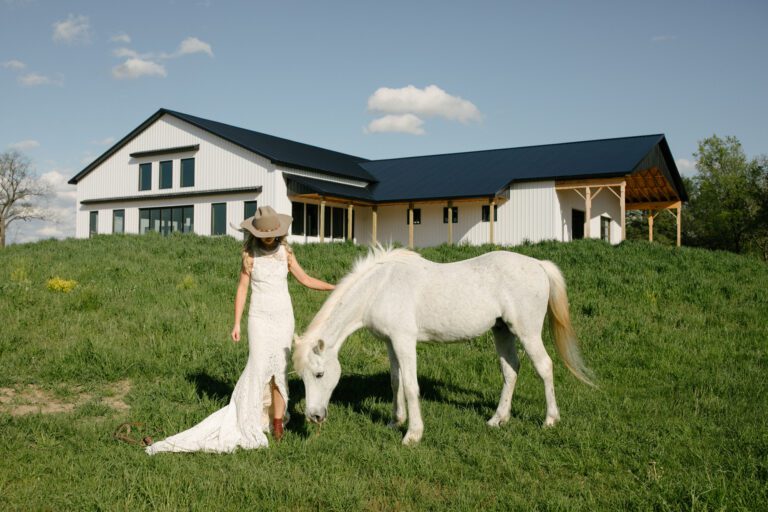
319, 375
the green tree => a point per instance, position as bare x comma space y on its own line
727, 197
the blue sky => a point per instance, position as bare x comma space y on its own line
377, 79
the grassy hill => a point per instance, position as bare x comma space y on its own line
678, 340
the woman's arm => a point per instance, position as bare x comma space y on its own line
242, 292
303, 278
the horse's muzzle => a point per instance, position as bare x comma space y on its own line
316, 416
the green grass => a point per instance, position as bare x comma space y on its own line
676, 337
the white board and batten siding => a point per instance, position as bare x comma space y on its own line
219, 165
532, 213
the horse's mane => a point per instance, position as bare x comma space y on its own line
376, 255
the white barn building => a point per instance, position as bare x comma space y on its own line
177, 172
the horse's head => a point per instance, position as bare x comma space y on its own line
319, 368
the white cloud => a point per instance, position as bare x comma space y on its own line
24, 145
662, 39
75, 29
14, 64
685, 166
404, 123
430, 101
121, 38
35, 79
135, 68
125, 52
194, 45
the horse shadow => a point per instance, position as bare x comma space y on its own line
363, 394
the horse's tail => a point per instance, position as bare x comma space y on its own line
562, 330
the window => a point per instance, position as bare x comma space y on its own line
93, 228
166, 220
249, 209
455, 216
297, 212
605, 229
118, 221
577, 224
219, 219
486, 214
187, 172
416, 216
313, 220
145, 177
327, 221
166, 174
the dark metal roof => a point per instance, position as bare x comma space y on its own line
447, 176
302, 185
278, 150
175, 195
484, 173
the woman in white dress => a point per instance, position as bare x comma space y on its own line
261, 393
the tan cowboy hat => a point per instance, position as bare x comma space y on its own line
267, 223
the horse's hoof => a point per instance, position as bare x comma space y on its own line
495, 421
411, 439
550, 421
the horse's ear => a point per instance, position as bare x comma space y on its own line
319, 347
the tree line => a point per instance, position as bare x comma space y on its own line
727, 206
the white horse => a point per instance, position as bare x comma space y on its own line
404, 298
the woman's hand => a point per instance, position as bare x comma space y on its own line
236, 334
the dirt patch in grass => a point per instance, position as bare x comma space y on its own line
33, 399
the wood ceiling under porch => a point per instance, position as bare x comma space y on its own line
649, 190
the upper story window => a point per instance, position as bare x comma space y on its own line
166, 174
145, 176
187, 172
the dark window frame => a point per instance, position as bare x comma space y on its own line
155, 215
214, 219
145, 180
122, 217
185, 181
416, 216
605, 222
165, 165
485, 213
312, 229
454, 216
576, 227
93, 223
297, 226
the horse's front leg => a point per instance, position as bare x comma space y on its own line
405, 352
398, 392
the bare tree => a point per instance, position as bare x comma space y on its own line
19, 188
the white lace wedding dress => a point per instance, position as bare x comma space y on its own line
245, 421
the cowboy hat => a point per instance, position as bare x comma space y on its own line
267, 223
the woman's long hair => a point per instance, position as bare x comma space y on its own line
252, 247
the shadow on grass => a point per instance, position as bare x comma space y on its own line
355, 392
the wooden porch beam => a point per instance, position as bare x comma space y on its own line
374, 219
322, 220
410, 225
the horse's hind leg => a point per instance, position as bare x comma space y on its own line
398, 392
534, 347
510, 365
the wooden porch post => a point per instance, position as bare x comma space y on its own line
322, 220
350, 212
623, 200
492, 217
410, 225
450, 222
374, 218
588, 214
679, 223
650, 225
